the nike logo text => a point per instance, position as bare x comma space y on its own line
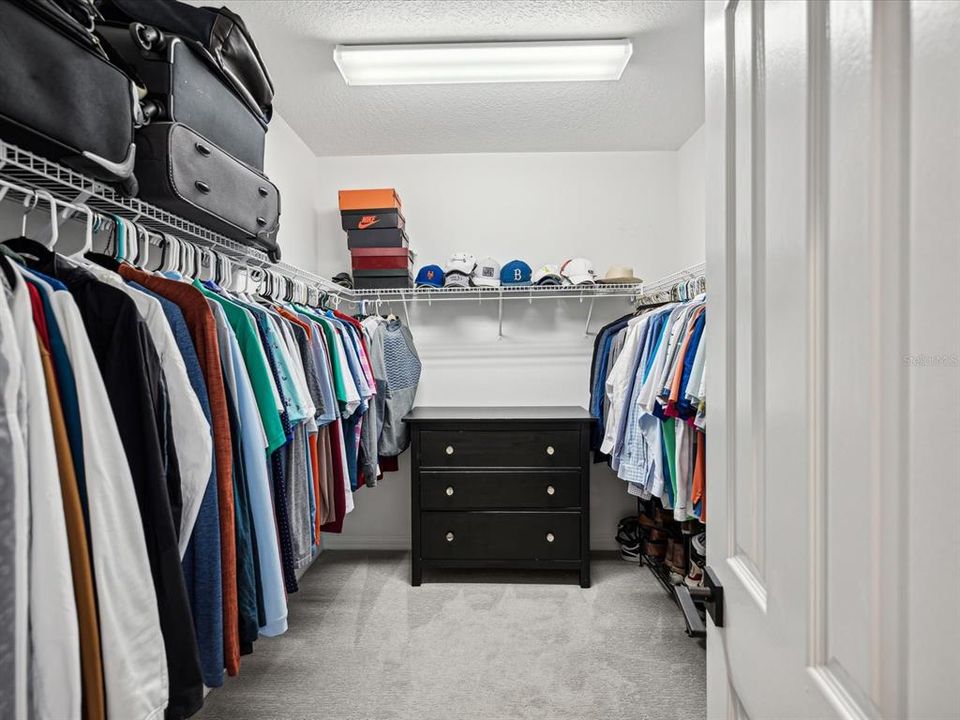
366, 221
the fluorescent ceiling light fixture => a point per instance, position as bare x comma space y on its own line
493, 62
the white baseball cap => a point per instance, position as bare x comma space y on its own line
461, 263
547, 275
455, 278
486, 273
579, 271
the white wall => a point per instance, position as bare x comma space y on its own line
691, 191
288, 162
614, 208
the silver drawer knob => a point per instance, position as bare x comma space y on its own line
550, 450
449, 537
449, 490
550, 537
550, 490
449, 449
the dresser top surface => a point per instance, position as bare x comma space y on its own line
567, 413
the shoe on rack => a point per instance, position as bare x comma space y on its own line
630, 553
655, 550
677, 557
646, 521
698, 545
694, 578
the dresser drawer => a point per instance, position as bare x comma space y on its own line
500, 535
499, 489
548, 448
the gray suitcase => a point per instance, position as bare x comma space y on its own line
182, 171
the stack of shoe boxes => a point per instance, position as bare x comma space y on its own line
379, 250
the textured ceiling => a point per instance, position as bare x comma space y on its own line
656, 105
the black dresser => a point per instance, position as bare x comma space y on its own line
500, 487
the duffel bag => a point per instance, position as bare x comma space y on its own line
60, 95
187, 174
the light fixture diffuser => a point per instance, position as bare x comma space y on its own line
493, 62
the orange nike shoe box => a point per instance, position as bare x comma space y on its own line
371, 219
383, 199
377, 238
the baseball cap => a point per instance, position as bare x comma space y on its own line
456, 279
486, 273
547, 275
579, 271
515, 272
461, 263
430, 276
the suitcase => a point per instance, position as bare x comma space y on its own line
385, 238
364, 220
61, 97
184, 87
219, 35
183, 172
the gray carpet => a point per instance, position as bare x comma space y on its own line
364, 645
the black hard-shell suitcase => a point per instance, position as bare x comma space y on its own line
183, 86
61, 97
219, 34
184, 172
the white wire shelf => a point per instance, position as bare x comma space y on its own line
37, 173
479, 294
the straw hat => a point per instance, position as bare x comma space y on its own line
619, 274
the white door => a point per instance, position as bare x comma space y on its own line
833, 264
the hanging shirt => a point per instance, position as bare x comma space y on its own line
133, 377
204, 332
247, 563
91, 667
134, 657
54, 666
254, 360
14, 518
191, 430
201, 561
254, 458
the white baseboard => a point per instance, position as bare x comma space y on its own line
365, 542
402, 542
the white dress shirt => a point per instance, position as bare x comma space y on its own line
55, 689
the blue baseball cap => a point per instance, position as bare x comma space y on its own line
430, 276
515, 272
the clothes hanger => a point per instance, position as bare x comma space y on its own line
26, 246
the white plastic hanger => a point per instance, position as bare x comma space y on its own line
54, 223
87, 234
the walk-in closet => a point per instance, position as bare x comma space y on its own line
479, 359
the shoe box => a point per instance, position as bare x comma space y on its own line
379, 248
379, 238
371, 219
362, 210
370, 201
382, 279
381, 258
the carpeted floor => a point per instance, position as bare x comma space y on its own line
365, 645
